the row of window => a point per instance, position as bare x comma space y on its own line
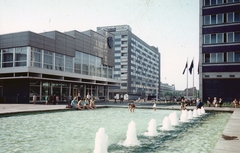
218, 2
221, 38
221, 18
82, 64
229, 57
13, 57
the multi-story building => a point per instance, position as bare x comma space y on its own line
55, 63
219, 54
137, 64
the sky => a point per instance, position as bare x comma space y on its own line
170, 25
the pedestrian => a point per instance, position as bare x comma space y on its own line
155, 105
34, 99
46, 99
121, 98
115, 99
57, 99
69, 99
54, 99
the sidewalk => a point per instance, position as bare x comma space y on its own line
229, 142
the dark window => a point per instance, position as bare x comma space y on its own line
237, 17
207, 58
207, 2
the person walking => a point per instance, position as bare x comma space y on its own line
46, 99
155, 105
34, 98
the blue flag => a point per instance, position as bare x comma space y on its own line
184, 68
191, 67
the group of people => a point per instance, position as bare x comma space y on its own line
83, 103
215, 102
52, 99
120, 98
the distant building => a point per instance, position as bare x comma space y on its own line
219, 54
55, 63
167, 89
137, 64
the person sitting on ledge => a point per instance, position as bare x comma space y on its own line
75, 104
235, 103
92, 103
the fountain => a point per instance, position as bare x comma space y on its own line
152, 128
174, 119
190, 114
195, 114
41, 128
131, 136
202, 110
166, 125
101, 141
199, 112
184, 116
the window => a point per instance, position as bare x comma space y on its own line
230, 17
237, 17
213, 2
36, 57
219, 1
207, 2
21, 56
213, 19
68, 64
230, 37
220, 57
219, 18
78, 62
229, 1
85, 64
230, 56
207, 58
219, 38
213, 58
207, 39
48, 60
237, 37
213, 39
7, 57
59, 62
237, 57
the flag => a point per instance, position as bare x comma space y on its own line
184, 68
191, 67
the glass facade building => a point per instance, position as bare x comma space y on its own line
55, 63
219, 66
137, 64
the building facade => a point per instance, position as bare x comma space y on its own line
219, 65
137, 64
55, 63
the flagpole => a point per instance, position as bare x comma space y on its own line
193, 78
187, 80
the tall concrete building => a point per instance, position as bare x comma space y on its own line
137, 64
219, 54
55, 63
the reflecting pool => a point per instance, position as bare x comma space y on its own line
75, 131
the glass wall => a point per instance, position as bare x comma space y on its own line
7, 57
21, 56
48, 60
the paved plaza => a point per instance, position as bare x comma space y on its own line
229, 142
